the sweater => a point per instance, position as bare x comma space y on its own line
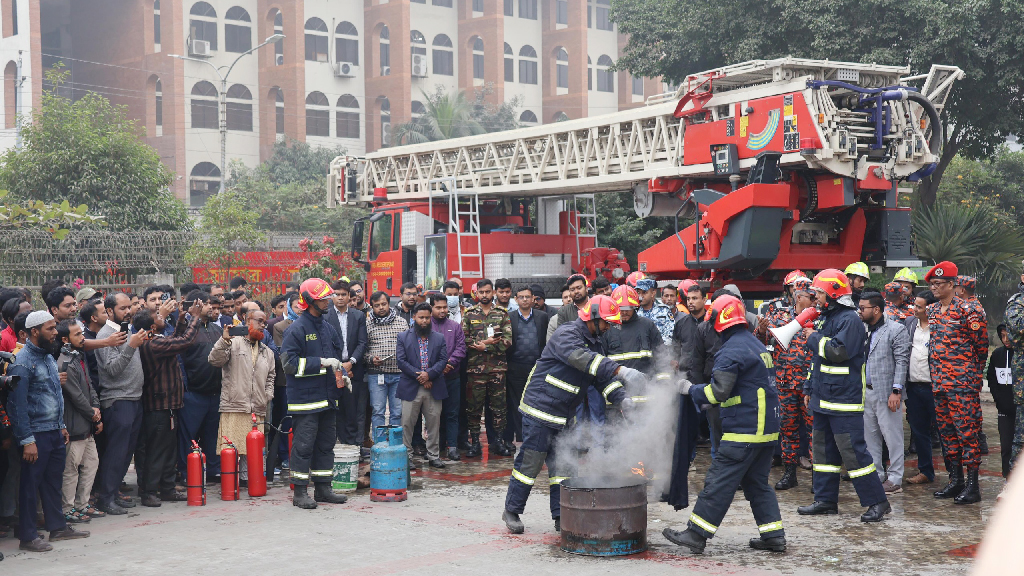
120, 370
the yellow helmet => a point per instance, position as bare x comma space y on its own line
858, 269
905, 275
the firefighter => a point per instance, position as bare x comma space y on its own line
777, 311
908, 280
957, 350
311, 354
858, 275
897, 308
836, 389
573, 360
637, 343
791, 368
743, 384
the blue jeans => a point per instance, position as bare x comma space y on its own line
384, 394
199, 420
921, 417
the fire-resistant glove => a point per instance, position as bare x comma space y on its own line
632, 377
684, 386
627, 406
332, 363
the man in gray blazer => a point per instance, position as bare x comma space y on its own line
888, 355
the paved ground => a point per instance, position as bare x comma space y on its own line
451, 525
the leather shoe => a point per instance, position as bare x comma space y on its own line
558, 524
111, 509
919, 479
125, 502
173, 496
37, 545
818, 508
150, 500
503, 448
695, 542
453, 454
68, 533
512, 522
876, 512
776, 544
435, 463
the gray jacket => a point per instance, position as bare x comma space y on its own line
79, 397
120, 369
888, 356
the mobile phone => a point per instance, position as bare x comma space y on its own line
242, 330
188, 304
165, 297
124, 326
388, 357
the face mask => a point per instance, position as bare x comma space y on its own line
453, 304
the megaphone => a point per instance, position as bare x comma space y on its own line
784, 334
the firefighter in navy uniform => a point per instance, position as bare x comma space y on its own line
573, 359
835, 394
637, 342
311, 353
743, 384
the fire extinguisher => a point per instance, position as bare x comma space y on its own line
196, 476
255, 443
229, 471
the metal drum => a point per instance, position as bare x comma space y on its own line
604, 518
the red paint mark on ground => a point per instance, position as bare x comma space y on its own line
965, 551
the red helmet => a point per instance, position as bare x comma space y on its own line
632, 278
313, 289
728, 311
792, 276
833, 283
626, 297
601, 307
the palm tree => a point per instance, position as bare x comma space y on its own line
447, 116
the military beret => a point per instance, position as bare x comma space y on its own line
944, 270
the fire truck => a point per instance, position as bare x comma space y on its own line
763, 166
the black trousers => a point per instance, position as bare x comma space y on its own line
515, 382
745, 465
159, 436
351, 420
1005, 423
122, 422
44, 478
312, 458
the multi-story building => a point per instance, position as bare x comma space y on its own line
344, 74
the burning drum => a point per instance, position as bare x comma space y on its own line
604, 518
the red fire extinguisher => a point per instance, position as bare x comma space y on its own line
196, 476
254, 445
228, 471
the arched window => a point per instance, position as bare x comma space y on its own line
204, 105
204, 182
278, 110
316, 40
527, 65
385, 51
318, 115
158, 107
348, 117
478, 58
605, 77
590, 74
385, 122
346, 43
560, 117
444, 56
10, 94
239, 108
203, 23
528, 117
278, 46
510, 64
418, 109
562, 67
237, 30
156, 25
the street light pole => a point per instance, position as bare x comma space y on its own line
222, 108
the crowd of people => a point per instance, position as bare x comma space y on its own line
102, 380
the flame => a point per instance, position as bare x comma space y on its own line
640, 471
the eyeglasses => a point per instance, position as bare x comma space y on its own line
938, 283
866, 308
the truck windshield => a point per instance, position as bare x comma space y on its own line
380, 236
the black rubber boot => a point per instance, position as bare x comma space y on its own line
512, 521
788, 479
876, 512
695, 542
322, 493
558, 524
475, 449
983, 443
300, 498
776, 544
972, 490
818, 508
956, 483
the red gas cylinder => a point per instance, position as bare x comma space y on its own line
255, 442
228, 471
196, 476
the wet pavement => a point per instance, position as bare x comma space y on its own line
451, 524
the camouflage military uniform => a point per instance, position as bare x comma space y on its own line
791, 369
486, 369
957, 350
897, 313
662, 317
1014, 319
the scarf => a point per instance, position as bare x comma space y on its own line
384, 321
291, 315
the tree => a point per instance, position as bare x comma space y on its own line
88, 152
226, 227
298, 162
618, 226
999, 181
672, 39
57, 219
455, 115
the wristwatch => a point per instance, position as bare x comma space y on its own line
897, 391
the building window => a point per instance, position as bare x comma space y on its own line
204, 182
203, 23
528, 117
603, 16
444, 57
318, 115
237, 37
385, 51
638, 86
528, 9
158, 109
590, 74
562, 67
239, 108
508, 7
346, 43
560, 117
478, 58
605, 77
442, 3
418, 109
156, 25
279, 111
419, 1
204, 106
385, 122
316, 40
527, 65
561, 11
478, 5
14, 17
418, 45
510, 65
278, 46
348, 117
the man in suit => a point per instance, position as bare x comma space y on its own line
351, 325
422, 356
529, 335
